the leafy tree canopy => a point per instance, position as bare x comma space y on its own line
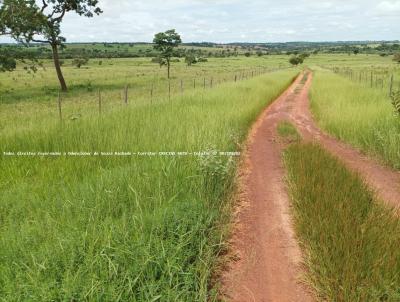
28, 21
165, 42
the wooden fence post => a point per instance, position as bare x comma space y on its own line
151, 93
372, 79
99, 95
391, 85
126, 95
181, 86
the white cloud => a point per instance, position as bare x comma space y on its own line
389, 7
236, 20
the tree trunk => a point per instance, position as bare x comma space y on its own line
57, 65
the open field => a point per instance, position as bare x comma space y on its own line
137, 228
33, 97
199, 151
150, 223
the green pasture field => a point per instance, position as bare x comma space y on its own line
30, 98
139, 227
359, 61
371, 71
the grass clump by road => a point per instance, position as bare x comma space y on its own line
287, 131
357, 114
350, 242
126, 228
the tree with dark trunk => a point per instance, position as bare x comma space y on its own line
27, 21
165, 42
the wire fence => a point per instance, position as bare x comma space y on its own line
152, 92
386, 79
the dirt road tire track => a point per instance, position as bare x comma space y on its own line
269, 258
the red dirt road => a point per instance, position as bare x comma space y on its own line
269, 262
268, 258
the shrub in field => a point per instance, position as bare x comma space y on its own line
304, 56
190, 59
9, 58
7, 64
79, 62
396, 57
296, 60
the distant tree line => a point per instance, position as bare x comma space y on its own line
41, 52
131, 50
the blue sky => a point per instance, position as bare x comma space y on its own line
239, 21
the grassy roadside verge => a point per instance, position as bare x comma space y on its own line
125, 228
350, 242
357, 114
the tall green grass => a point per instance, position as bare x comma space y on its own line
350, 242
357, 114
125, 228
